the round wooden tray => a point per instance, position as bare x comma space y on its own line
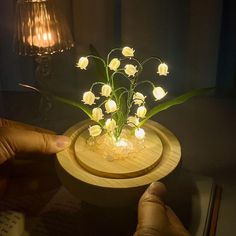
140, 161
92, 183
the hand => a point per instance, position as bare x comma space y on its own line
17, 138
154, 217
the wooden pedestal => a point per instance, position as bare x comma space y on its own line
119, 182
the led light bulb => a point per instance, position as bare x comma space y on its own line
159, 93
162, 69
95, 130
89, 98
106, 90
110, 106
139, 133
97, 114
141, 111
82, 63
110, 125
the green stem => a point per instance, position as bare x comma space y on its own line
96, 83
144, 82
99, 58
151, 58
108, 55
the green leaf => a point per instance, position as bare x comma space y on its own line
176, 101
101, 70
79, 105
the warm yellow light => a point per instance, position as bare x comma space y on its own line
95, 130
110, 106
128, 52
110, 125
133, 121
162, 69
159, 93
106, 90
138, 98
122, 143
140, 133
130, 70
141, 111
89, 98
114, 64
82, 63
43, 40
97, 114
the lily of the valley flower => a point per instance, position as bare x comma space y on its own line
159, 93
141, 111
133, 121
95, 130
130, 69
138, 98
82, 63
106, 90
97, 114
110, 106
139, 133
128, 52
162, 69
114, 64
110, 125
89, 98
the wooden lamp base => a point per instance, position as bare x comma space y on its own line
96, 180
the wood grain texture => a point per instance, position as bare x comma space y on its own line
99, 159
170, 159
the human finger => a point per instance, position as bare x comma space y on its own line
14, 141
19, 125
152, 218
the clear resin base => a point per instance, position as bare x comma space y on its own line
127, 146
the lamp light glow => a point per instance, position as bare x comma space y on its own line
140, 133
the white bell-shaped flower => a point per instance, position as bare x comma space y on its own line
159, 93
82, 63
139, 133
162, 69
97, 114
130, 70
114, 64
141, 111
128, 52
110, 106
133, 121
95, 130
89, 98
138, 98
106, 90
110, 125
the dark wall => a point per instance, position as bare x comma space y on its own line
188, 35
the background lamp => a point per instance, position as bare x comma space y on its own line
40, 30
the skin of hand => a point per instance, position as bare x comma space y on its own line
17, 138
154, 217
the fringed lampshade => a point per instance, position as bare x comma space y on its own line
40, 29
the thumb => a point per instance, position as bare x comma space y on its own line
14, 141
152, 218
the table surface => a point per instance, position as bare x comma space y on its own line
204, 126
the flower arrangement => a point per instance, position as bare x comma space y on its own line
116, 109
118, 106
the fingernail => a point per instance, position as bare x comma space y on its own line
157, 188
62, 141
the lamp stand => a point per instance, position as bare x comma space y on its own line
43, 74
